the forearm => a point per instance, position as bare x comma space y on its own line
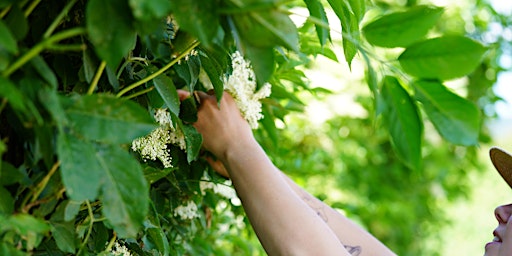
356, 240
266, 195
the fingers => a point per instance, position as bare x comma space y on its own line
182, 94
218, 166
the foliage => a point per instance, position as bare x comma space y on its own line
81, 79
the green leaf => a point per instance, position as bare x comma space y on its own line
404, 123
108, 119
267, 28
165, 87
189, 71
31, 229
7, 40
7, 249
112, 40
10, 174
350, 28
262, 62
14, 96
44, 71
194, 141
198, 17
71, 210
316, 9
153, 175
155, 238
148, 10
455, 118
358, 7
17, 22
81, 172
125, 191
188, 110
64, 235
50, 100
89, 66
87, 167
214, 70
442, 58
6, 202
401, 29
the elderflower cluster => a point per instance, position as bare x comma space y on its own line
187, 211
155, 145
120, 250
241, 84
224, 189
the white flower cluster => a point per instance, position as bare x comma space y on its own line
241, 84
154, 145
187, 212
224, 189
119, 250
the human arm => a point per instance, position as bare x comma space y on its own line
284, 224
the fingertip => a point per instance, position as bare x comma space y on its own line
182, 94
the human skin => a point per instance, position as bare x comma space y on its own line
502, 242
287, 219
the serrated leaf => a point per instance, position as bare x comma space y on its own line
165, 87
112, 40
349, 26
403, 121
7, 40
125, 191
105, 118
442, 58
401, 29
455, 118
198, 17
316, 9
81, 173
267, 28
87, 168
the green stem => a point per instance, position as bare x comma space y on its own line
38, 48
5, 11
67, 47
31, 7
133, 95
96, 78
160, 71
89, 231
111, 243
59, 18
40, 187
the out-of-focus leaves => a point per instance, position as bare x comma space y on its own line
403, 122
401, 29
113, 39
44, 71
443, 58
17, 22
349, 26
194, 141
199, 18
6, 202
455, 118
7, 40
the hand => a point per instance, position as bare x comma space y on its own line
223, 128
502, 242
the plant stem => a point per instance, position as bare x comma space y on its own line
34, 51
31, 7
59, 18
67, 47
133, 95
160, 71
40, 187
96, 78
91, 216
111, 243
5, 11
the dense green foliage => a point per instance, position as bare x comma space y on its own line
80, 80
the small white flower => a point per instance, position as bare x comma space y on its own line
241, 84
154, 145
224, 189
120, 250
187, 212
